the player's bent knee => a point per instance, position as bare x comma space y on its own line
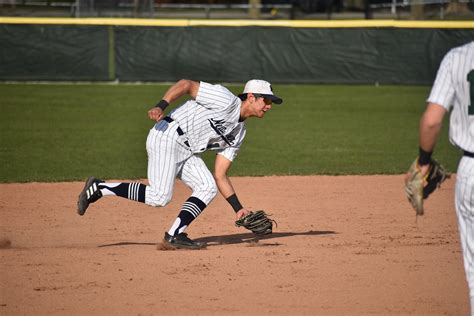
157, 203
156, 198
207, 194
214, 191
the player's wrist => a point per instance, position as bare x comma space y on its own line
424, 157
163, 104
234, 202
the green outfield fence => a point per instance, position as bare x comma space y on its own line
285, 51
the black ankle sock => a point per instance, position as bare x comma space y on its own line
132, 191
189, 211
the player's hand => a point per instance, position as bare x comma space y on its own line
241, 213
156, 114
423, 169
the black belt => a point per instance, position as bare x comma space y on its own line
468, 154
178, 129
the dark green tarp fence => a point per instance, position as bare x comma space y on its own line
225, 54
53, 52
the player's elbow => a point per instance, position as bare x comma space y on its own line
432, 118
219, 174
189, 87
185, 83
431, 124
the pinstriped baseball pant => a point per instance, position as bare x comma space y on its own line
168, 158
465, 213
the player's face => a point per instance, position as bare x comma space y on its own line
262, 105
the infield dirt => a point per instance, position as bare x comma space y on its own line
346, 245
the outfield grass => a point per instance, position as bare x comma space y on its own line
67, 132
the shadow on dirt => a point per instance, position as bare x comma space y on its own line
234, 239
252, 238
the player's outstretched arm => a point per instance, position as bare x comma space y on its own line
222, 165
180, 88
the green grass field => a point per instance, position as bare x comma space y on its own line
67, 132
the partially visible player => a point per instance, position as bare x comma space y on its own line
214, 119
454, 88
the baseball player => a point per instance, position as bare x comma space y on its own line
454, 88
214, 119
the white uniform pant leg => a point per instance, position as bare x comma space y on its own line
465, 213
164, 161
197, 176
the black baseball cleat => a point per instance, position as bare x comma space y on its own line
182, 241
88, 195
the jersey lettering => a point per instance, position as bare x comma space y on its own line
218, 127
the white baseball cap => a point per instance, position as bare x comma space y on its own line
262, 88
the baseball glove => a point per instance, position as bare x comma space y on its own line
418, 188
258, 222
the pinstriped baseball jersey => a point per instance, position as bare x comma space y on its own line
452, 88
212, 121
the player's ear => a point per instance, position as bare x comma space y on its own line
251, 97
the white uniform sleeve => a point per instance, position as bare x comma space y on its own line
443, 91
214, 96
231, 152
